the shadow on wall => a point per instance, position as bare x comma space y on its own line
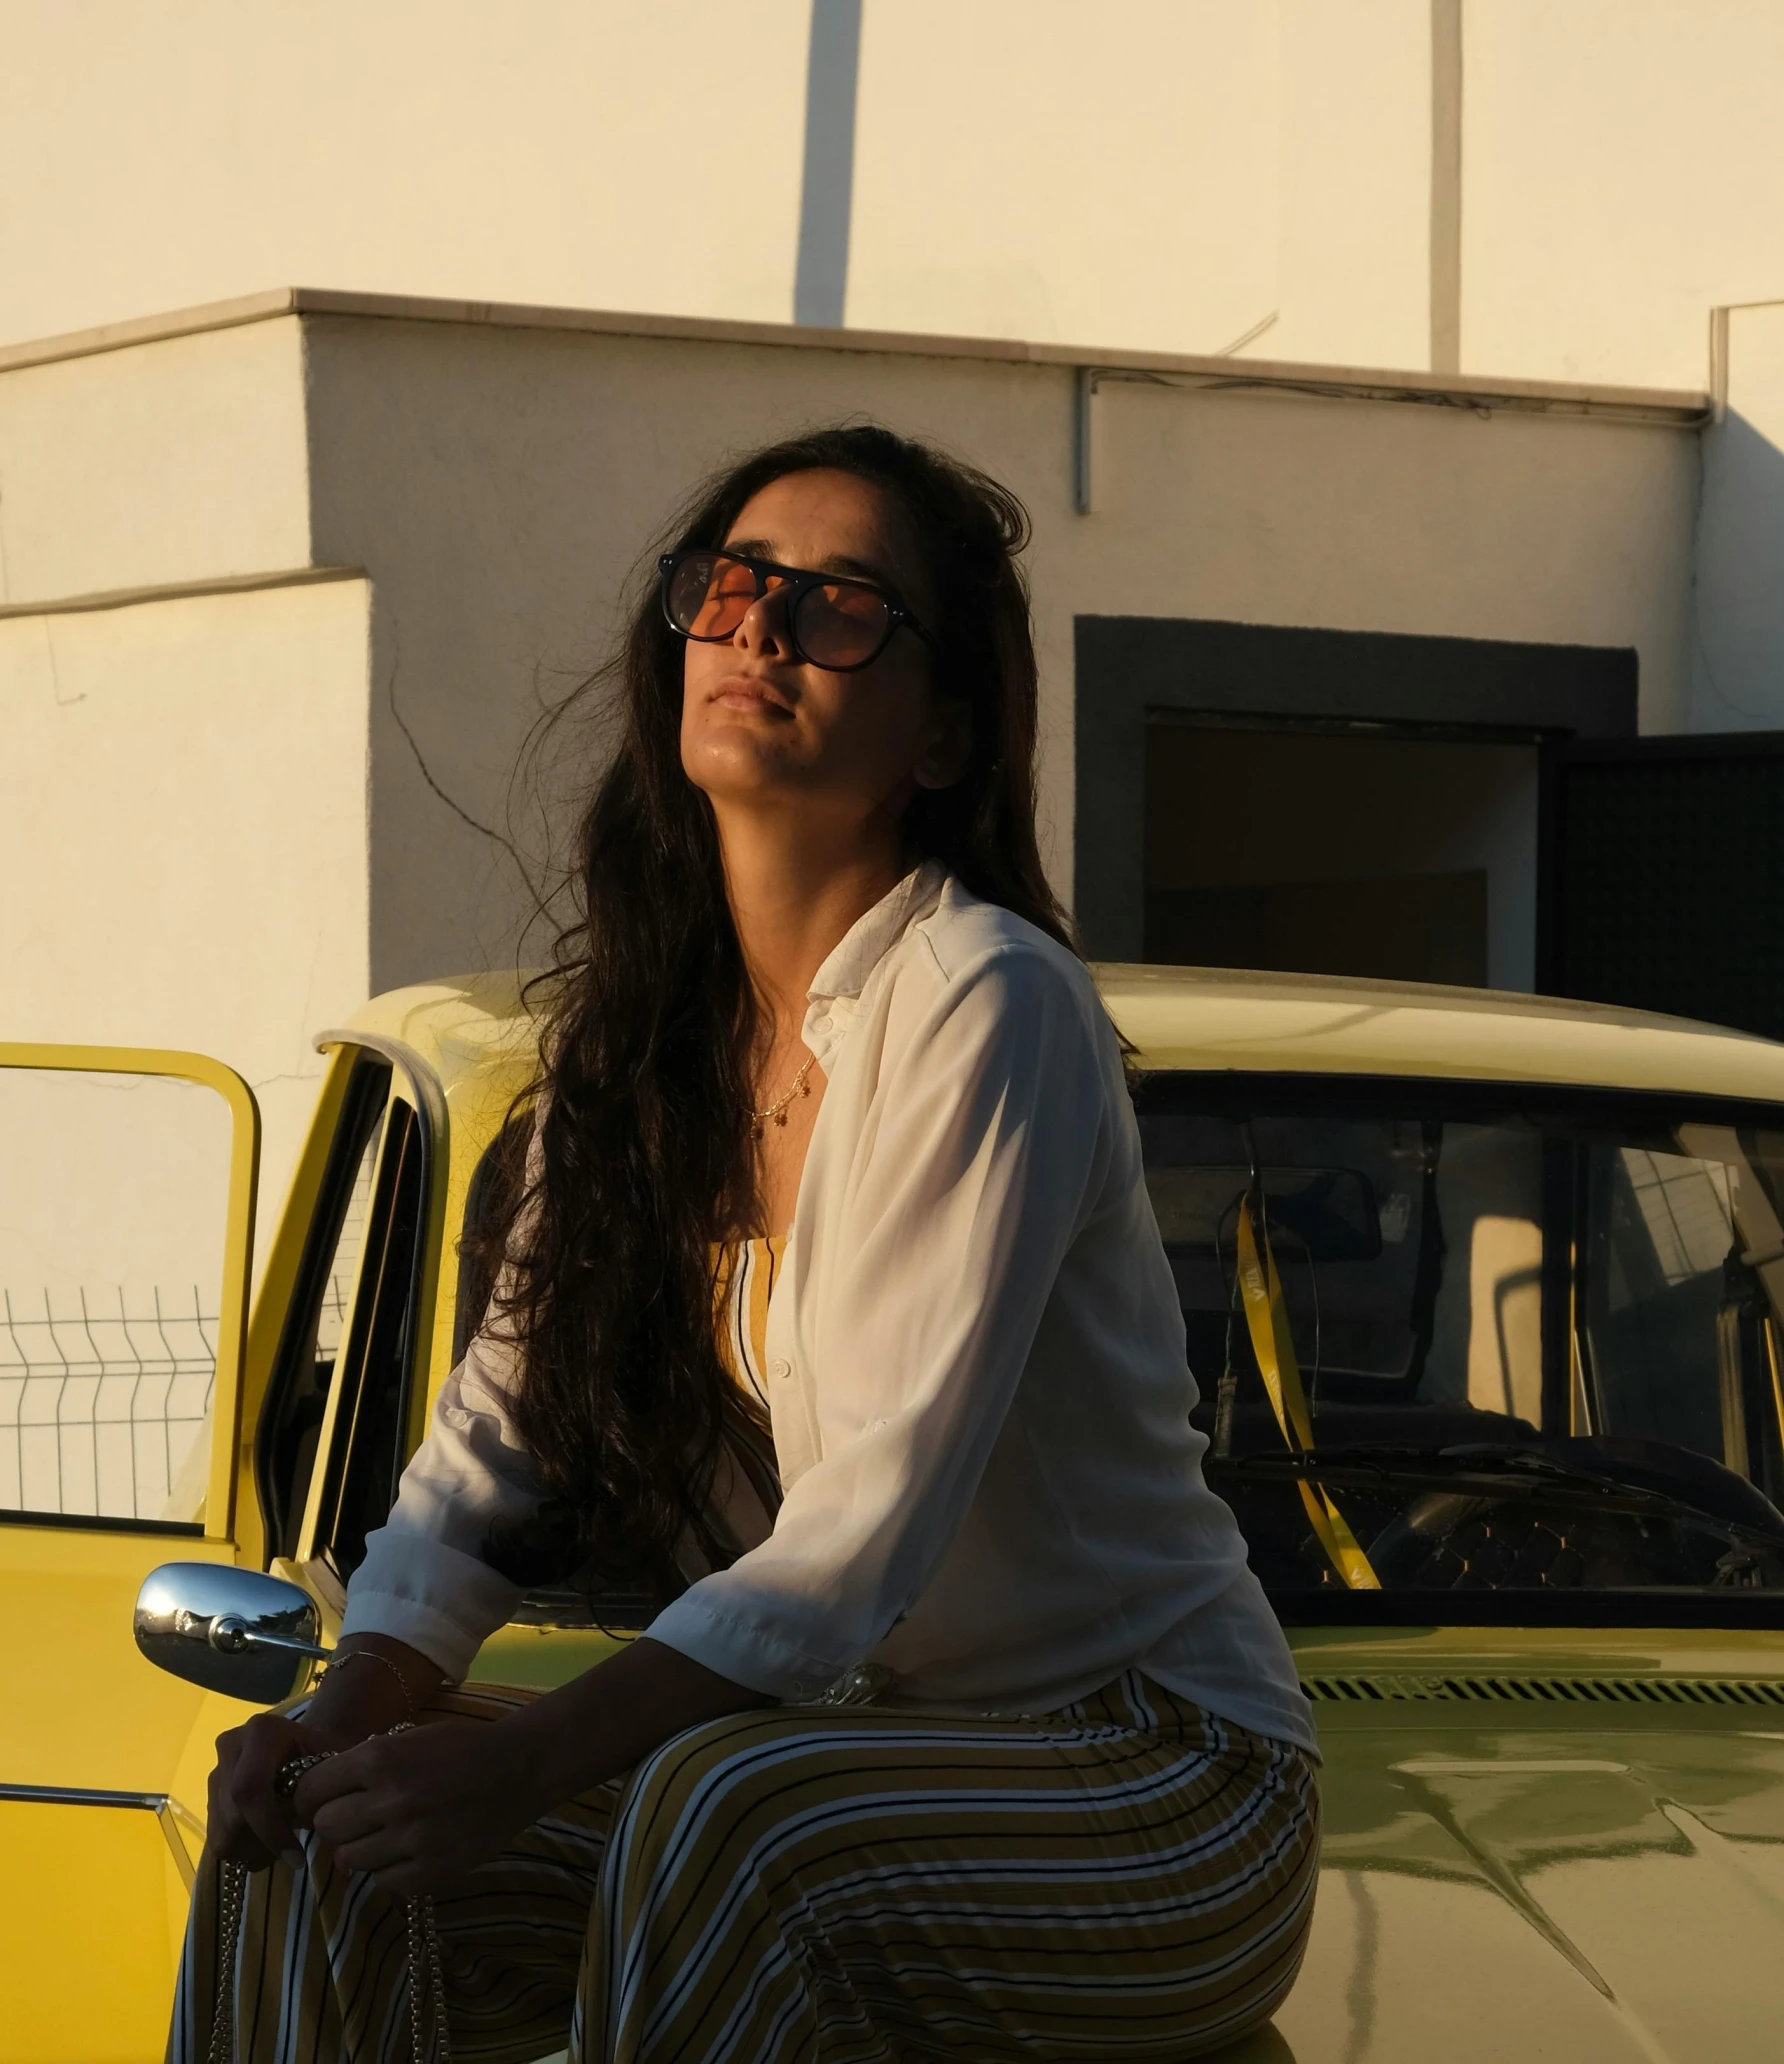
827, 186
1737, 654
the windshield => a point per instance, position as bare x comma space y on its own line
1470, 1352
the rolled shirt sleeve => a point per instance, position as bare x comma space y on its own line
985, 1147
424, 1580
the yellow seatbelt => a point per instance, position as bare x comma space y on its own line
1266, 1318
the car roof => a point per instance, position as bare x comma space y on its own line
1226, 1018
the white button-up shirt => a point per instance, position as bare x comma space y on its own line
978, 1388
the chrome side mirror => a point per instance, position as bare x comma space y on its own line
232, 1630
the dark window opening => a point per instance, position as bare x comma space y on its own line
1663, 872
1385, 853
303, 1366
377, 1360
501, 1168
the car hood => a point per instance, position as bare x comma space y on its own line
1573, 1889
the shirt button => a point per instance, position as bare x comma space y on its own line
780, 1369
456, 1415
820, 1024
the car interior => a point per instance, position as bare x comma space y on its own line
1537, 1333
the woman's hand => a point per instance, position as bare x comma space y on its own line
249, 1822
420, 1809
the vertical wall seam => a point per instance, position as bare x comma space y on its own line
1446, 186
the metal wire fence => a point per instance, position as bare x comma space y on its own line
104, 1403
105, 1394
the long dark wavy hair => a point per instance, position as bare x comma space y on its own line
643, 1157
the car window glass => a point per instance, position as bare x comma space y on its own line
374, 1361
1658, 1299
499, 1167
343, 1267
1592, 1287
113, 1211
297, 1393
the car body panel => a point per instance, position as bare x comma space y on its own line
1506, 1870
1599, 1885
94, 1910
1499, 1879
100, 1826
1233, 1018
1216, 1018
1514, 1875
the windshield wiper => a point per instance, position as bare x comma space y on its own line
1495, 1467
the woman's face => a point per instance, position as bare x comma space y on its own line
763, 729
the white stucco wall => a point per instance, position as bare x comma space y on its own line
219, 832
155, 157
1054, 174
1163, 174
1737, 660
183, 832
1354, 184
1368, 516
502, 485
1621, 176
182, 798
176, 461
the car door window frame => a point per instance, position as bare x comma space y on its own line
394, 1293
238, 1249
358, 1112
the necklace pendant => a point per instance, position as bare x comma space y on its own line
801, 1087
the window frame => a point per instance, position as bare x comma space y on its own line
238, 1249
349, 1127
415, 1088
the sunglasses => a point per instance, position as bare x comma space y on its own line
833, 620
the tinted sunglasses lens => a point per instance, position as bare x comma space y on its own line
709, 595
842, 625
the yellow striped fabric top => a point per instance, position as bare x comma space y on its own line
743, 1281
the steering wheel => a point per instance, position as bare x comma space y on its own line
1449, 1542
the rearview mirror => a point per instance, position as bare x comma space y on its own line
249, 1636
1313, 1214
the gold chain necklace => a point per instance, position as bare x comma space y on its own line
776, 1113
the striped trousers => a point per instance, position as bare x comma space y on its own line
1126, 1879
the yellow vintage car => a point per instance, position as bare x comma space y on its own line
1499, 1404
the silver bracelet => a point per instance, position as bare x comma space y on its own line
338, 1661
291, 1773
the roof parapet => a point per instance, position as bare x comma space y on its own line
1678, 407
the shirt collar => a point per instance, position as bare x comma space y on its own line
835, 992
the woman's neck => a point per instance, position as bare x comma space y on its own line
794, 895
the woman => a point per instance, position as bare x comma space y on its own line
964, 1729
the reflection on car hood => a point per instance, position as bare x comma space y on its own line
1589, 1886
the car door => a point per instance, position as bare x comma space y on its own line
345, 1388
127, 1183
